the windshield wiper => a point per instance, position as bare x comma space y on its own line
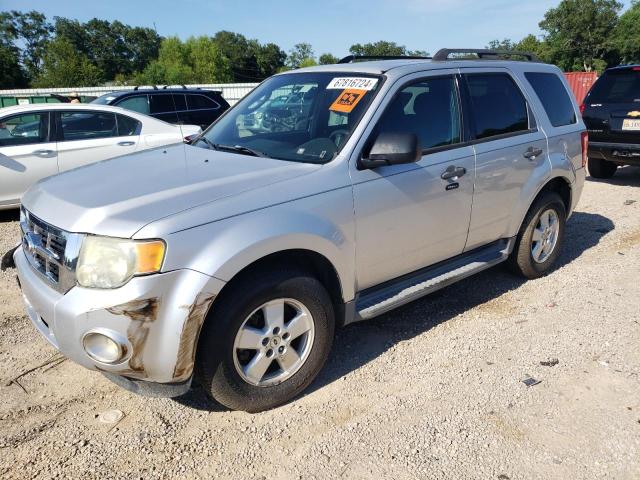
237, 148
207, 141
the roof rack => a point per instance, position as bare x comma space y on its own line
150, 87
482, 54
366, 58
174, 86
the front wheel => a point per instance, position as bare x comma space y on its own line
266, 341
539, 241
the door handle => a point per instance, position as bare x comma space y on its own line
43, 153
452, 172
532, 152
126, 144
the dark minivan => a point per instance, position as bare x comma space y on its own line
611, 111
187, 106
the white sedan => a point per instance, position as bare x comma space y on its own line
40, 140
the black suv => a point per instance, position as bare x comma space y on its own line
611, 111
190, 106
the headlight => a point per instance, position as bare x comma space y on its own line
107, 262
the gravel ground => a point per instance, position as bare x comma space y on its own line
432, 390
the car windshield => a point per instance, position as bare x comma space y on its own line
617, 86
301, 117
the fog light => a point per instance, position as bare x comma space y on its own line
102, 348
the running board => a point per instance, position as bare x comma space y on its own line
383, 298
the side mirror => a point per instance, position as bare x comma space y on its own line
393, 149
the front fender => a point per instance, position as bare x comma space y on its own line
321, 223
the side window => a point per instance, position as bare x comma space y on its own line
25, 129
554, 97
198, 102
498, 106
88, 125
429, 108
139, 103
128, 126
180, 102
161, 103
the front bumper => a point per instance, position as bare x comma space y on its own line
157, 317
622, 153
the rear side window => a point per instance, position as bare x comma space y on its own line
139, 103
128, 126
25, 129
617, 86
88, 125
198, 102
554, 98
498, 105
161, 103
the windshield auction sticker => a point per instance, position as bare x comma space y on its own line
347, 100
359, 83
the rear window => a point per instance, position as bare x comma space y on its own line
197, 102
617, 86
498, 105
554, 98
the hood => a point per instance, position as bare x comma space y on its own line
118, 197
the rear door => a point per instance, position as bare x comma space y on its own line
162, 107
510, 151
87, 136
27, 153
612, 107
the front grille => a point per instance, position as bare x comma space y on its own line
52, 252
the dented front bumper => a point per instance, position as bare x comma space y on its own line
157, 317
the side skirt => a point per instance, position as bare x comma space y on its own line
382, 298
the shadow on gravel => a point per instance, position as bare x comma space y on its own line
360, 343
627, 176
12, 215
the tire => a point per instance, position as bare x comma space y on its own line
522, 260
599, 168
220, 366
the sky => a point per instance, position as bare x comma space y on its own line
330, 26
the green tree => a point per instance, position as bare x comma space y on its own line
32, 32
383, 48
300, 55
269, 58
207, 63
11, 72
240, 54
578, 33
626, 36
115, 48
64, 66
328, 59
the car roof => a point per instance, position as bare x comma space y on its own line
121, 93
401, 67
623, 67
33, 107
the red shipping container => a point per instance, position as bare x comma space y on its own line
581, 83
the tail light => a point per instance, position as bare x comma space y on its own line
583, 107
585, 148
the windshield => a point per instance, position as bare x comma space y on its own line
617, 86
302, 117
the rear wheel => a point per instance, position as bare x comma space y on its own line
540, 238
599, 168
266, 341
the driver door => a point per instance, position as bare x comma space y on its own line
407, 216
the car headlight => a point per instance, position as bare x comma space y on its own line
107, 262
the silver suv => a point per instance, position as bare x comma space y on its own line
327, 196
